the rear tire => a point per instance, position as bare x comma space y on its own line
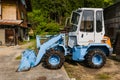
53, 59
95, 58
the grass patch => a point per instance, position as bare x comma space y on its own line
103, 76
18, 57
33, 45
22, 42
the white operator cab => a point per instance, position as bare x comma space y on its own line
87, 26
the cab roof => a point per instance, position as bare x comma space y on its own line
94, 9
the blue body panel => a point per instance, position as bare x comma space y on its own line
79, 52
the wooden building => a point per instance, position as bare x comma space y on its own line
112, 25
13, 21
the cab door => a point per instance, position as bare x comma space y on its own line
86, 33
100, 31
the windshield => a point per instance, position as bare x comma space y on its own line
75, 18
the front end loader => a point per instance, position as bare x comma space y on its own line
85, 41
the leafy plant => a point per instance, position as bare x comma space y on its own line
41, 24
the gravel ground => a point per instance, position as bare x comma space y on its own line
78, 70
9, 65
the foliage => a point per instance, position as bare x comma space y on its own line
98, 3
49, 15
41, 24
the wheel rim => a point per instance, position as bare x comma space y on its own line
54, 60
97, 59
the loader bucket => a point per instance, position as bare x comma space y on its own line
29, 58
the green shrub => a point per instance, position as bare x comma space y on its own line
41, 24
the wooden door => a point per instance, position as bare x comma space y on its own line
10, 36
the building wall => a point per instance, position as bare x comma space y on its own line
9, 10
112, 19
112, 25
117, 47
22, 13
2, 36
14, 10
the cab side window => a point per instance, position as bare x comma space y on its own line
87, 23
99, 21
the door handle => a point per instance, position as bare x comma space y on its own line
82, 36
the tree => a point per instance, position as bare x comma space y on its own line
49, 15
97, 3
41, 24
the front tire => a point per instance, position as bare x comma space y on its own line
54, 59
95, 58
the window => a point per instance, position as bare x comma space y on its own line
87, 23
75, 18
99, 21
